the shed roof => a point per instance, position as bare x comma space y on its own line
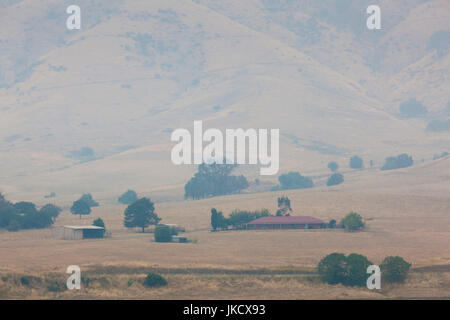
84, 227
287, 220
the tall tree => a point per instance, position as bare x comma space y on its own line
141, 214
80, 207
51, 210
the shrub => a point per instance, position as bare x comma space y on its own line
163, 233
335, 179
154, 280
356, 162
353, 221
56, 286
99, 223
412, 108
25, 281
394, 269
357, 270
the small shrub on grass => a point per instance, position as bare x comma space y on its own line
154, 280
25, 281
56, 286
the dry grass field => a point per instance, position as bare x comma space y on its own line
403, 218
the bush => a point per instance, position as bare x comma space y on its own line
335, 179
25, 281
357, 270
401, 161
333, 166
332, 224
128, 197
99, 223
154, 280
163, 233
412, 108
356, 162
353, 221
56, 286
294, 180
394, 269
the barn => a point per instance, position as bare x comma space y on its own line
286, 222
78, 232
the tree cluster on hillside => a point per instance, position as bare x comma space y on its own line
141, 214
335, 179
214, 180
237, 219
412, 109
401, 161
128, 197
294, 180
25, 215
356, 162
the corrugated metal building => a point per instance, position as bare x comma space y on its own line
78, 232
286, 222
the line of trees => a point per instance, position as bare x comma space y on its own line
25, 215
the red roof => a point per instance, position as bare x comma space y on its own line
287, 220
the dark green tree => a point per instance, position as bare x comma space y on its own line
99, 223
80, 207
154, 280
401, 161
353, 221
333, 268
332, 224
128, 197
356, 274
284, 206
141, 214
214, 219
163, 233
394, 269
356, 162
51, 210
333, 166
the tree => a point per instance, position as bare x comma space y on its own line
238, 218
51, 210
284, 206
356, 162
80, 207
87, 197
214, 219
356, 274
332, 268
128, 197
353, 221
332, 224
335, 179
294, 180
394, 269
401, 161
29, 217
99, 223
141, 213
412, 108
154, 280
333, 166
163, 233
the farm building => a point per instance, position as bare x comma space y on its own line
286, 222
78, 232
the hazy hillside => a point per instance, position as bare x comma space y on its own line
139, 69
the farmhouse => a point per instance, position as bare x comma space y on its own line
78, 232
286, 222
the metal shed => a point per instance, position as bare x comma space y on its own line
78, 232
